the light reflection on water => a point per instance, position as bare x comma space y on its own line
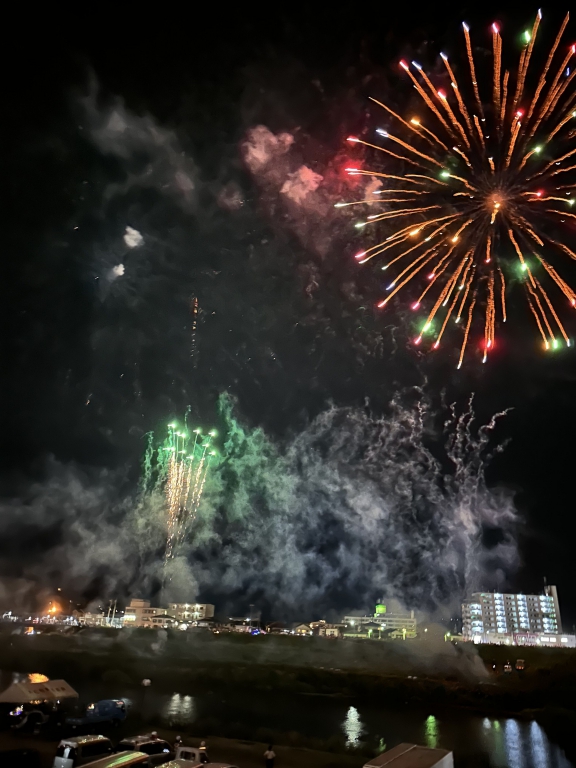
539, 751
512, 741
508, 743
519, 744
352, 727
504, 743
431, 732
179, 709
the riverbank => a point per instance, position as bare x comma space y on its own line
435, 679
440, 675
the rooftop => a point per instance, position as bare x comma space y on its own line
412, 756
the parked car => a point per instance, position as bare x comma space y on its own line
147, 743
80, 750
192, 755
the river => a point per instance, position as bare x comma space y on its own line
475, 740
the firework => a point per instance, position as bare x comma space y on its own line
179, 467
194, 313
478, 194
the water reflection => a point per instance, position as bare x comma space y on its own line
493, 742
352, 726
180, 709
431, 732
512, 741
520, 745
540, 750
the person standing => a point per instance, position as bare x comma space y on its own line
269, 756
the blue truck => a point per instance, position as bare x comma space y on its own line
106, 711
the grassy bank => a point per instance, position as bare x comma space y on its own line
386, 672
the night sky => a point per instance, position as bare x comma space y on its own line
95, 360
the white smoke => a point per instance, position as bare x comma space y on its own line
115, 272
151, 155
353, 507
360, 506
132, 237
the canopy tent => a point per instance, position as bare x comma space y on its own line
25, 693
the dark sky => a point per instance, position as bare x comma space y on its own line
283, 325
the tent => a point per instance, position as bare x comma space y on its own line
25, 693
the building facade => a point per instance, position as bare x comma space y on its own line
87, 619
189, 612
140, 614
494, 613
402, 623
526, 638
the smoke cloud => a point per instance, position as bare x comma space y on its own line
132, 237
352, 508
151, 155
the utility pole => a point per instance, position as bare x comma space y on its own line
114, 611
251, 607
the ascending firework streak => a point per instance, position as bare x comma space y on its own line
478, 194
187, 468
182, 463
194, 313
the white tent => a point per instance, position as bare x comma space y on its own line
25, 693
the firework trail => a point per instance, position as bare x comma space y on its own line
476, 193
179, 467
194, 313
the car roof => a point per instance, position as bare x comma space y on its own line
120, 759
143, 739
218, 765
75, 741
181, 763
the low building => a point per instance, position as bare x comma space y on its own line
324, 629
301, 629
394, 623
140, 614
88, 619
190, 612
276, 628
163, 621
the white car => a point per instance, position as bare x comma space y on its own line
80, 750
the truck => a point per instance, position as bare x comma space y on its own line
106, 711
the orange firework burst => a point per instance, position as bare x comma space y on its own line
478, 192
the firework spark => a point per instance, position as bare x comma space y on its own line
485, 193
187, 468
180, 471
